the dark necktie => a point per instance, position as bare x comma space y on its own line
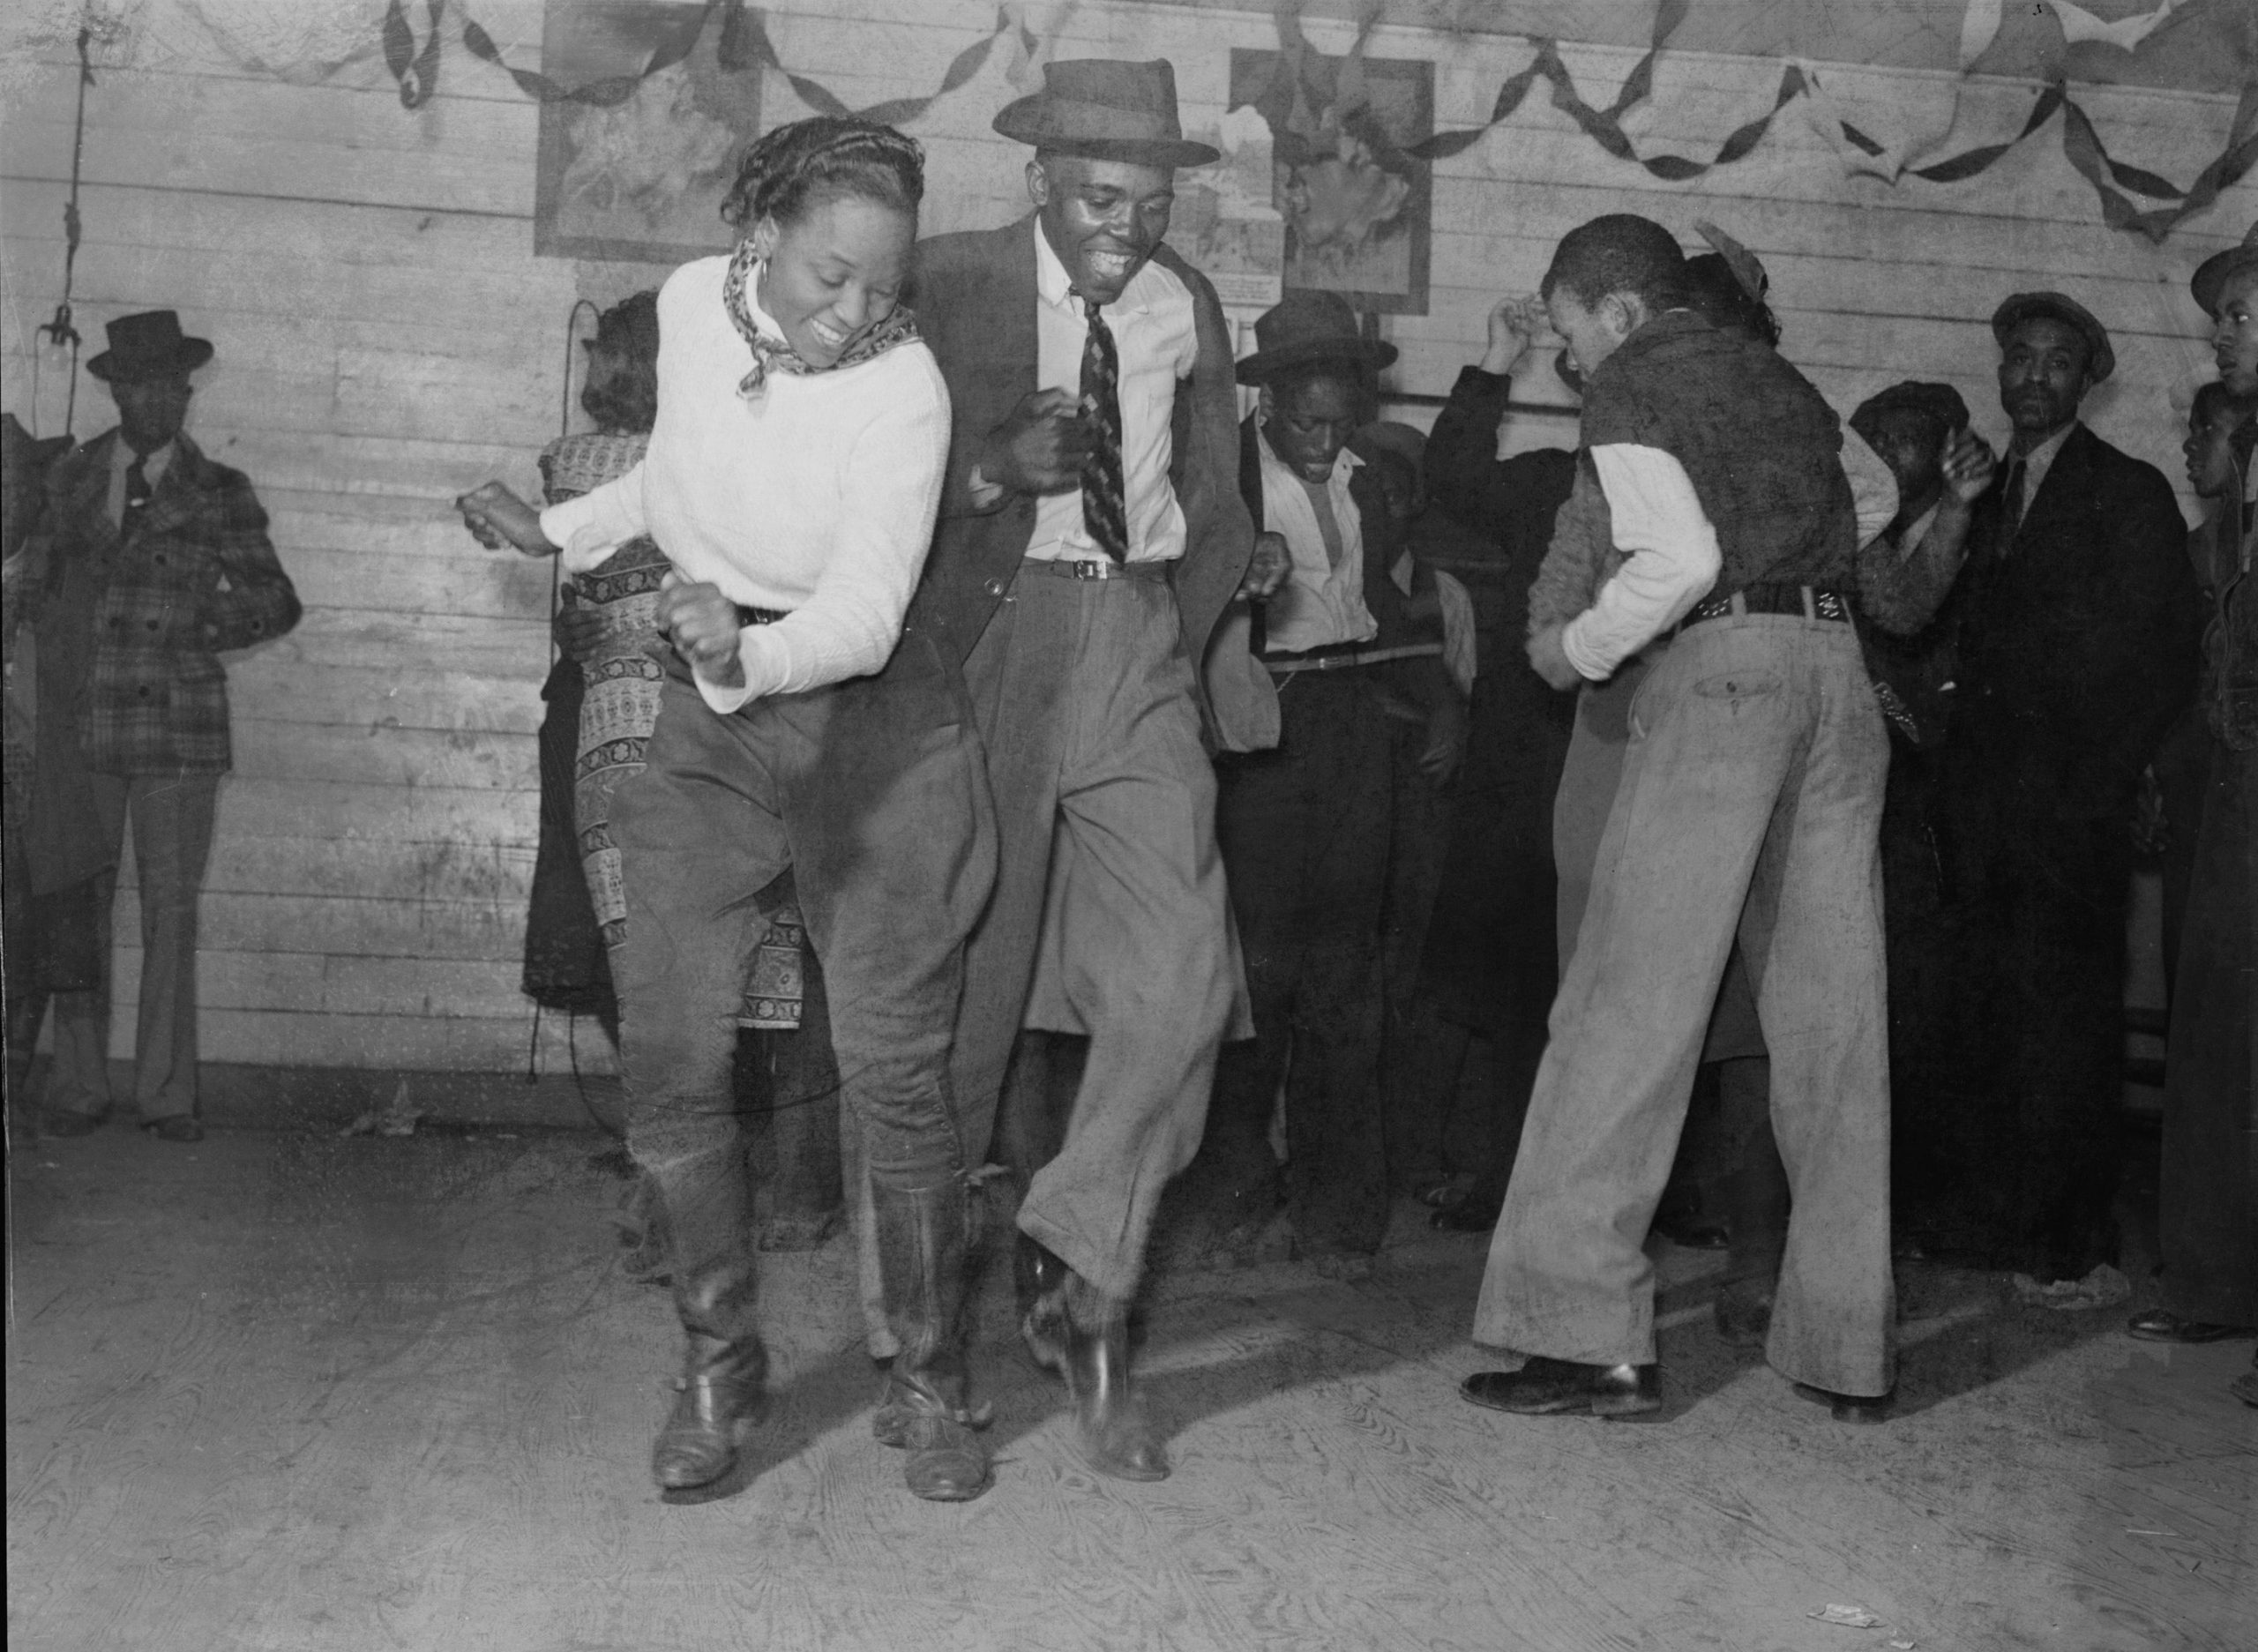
137, 495
2011, 505
1104, 512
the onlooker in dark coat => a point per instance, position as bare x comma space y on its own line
2208, 1191
1491, 954
2077, 623
156, 561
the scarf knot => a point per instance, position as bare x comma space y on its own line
773, 355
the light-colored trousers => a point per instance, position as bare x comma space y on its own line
1750, 804
1110, 915
172, 817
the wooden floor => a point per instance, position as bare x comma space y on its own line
288, 1391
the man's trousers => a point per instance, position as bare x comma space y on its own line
172, 817
1110, 916
1750, 805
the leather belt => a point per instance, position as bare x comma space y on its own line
1813, 602
1352, 658
1091, 568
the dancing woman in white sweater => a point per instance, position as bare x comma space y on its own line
792, 479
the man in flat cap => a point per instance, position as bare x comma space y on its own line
1091, 536
154, 562
1308, 828
2077, 622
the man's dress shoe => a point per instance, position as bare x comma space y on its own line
55, 1122
1852, 1408
1546, 1386
2158, 1324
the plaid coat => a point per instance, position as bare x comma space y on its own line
197, 575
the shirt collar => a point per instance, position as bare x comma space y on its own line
154, 463
1056, 288
2043, 455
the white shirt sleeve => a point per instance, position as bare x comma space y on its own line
589, 528
1874, 486
891, 492
1673, 558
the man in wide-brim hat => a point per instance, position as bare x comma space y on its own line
1307, 828
1078, 349
156, 561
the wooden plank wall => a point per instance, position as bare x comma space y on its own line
387, 339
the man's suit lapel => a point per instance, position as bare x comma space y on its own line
2064, 492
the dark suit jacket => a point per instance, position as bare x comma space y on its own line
2077, 640
975, 299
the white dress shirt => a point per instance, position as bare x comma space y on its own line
816, 497
2036, 464
1156, 337
1322, 602
1671, 558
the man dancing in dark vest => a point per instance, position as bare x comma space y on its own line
1750, 805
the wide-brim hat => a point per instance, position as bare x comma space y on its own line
1311, 325
2211, 274
2058, 307
1108, 110
149, 345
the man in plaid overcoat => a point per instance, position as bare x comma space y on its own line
152, 562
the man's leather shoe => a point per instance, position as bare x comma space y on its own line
1117, 1437
1040, 1277
947, 1463
177, 1128
1852, 1408
720, 1391
2158, 1324
55, 1122
1546, 1386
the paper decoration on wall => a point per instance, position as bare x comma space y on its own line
2126, 34
2081, 145
743, 43
1980, 26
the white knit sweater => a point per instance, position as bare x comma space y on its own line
816, 497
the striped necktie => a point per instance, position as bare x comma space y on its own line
1104, 512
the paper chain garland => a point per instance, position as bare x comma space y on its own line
745, 45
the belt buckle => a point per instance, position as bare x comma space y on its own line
1084, 568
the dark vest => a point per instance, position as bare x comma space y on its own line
1762, 448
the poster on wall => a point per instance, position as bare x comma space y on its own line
1356, 208
1226, 221
643, 177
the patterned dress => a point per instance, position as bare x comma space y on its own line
619, 709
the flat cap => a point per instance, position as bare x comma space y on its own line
1937, 401
2057, 307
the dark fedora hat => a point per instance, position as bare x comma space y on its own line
149, 345
2058, 307
1309, 325
1108, 110
2211, 274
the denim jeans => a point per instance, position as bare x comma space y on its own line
1749, 805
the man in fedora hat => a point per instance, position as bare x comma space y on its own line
1090, 539
156, 561
2076, 621
1307, 828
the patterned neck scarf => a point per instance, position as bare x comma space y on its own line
775, 355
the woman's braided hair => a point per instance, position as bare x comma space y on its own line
787, 170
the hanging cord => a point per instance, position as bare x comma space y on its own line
59, 331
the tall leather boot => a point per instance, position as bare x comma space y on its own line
924, 1243
1117, 1437
704, 1204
